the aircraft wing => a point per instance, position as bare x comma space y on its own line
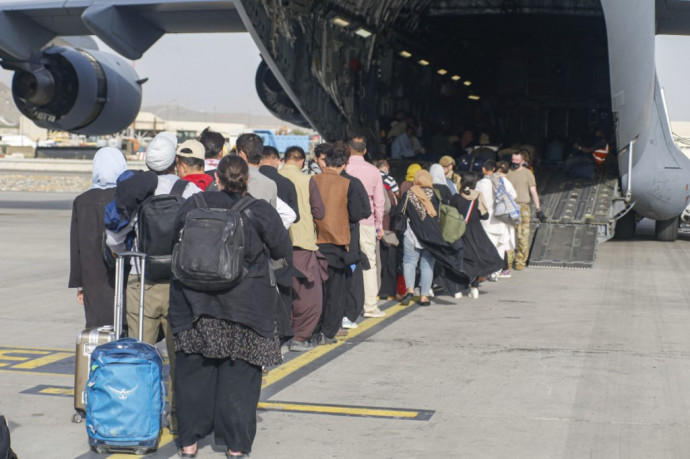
129, 27
673, 17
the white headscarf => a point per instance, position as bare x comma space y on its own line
108, 164
437, 175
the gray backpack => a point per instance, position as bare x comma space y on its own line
209, 254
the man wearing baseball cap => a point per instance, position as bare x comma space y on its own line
190, 163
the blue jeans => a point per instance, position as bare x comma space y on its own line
411, 256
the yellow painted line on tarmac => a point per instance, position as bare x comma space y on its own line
58, 391
22, 348
6, 354
286, 369
41, 361
37, 373
338, 409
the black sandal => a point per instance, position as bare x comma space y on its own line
183, 454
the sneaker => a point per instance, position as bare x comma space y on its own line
493, 277
458, 295
505, 274
347, 323
299, 346
375, 313
341, 332
474, 293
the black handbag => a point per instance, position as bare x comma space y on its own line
400, 221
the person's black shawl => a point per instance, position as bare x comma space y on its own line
429, 235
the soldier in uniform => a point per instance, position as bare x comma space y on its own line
525, 185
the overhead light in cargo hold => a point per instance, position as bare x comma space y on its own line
467, 83
405, 54
455, 78
362, 32
473, 97
442, 71
423, 62
340, 22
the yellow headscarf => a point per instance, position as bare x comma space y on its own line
412, 169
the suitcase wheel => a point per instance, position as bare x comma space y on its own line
78, 418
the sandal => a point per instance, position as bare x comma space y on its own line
183, 454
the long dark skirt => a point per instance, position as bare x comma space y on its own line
389, 271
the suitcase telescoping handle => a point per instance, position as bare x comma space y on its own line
120, 291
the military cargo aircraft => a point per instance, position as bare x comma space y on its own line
537, 67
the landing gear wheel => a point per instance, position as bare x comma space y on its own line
625, 226
667, 230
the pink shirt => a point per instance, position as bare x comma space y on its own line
369, 175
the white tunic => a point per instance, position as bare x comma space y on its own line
502, 234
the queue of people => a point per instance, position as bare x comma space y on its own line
324, 242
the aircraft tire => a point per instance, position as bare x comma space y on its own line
625, 226
667, 230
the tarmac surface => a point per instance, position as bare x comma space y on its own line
550, 363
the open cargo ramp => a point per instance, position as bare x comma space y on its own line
580, 216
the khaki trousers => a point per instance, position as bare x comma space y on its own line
367, 243
522, 235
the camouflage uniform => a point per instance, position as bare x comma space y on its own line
522, 236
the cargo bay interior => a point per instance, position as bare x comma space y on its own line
527, 74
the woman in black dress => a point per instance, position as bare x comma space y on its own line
480, 257
88, 271
223, 338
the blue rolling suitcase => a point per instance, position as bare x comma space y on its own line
125, 392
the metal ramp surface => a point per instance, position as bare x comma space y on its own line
564, 246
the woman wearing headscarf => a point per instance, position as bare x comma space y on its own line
480, 257
439, 178
412, 169
223, 338
422, 203
88, 271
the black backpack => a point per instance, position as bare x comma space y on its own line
156, 218
209, 254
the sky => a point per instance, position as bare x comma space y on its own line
215, 73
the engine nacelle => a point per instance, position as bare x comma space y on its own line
275, 98
82, 91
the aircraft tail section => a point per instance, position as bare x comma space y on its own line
660, 175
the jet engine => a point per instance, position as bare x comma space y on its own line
275, 98
82, 91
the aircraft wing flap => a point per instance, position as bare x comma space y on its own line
87, 17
